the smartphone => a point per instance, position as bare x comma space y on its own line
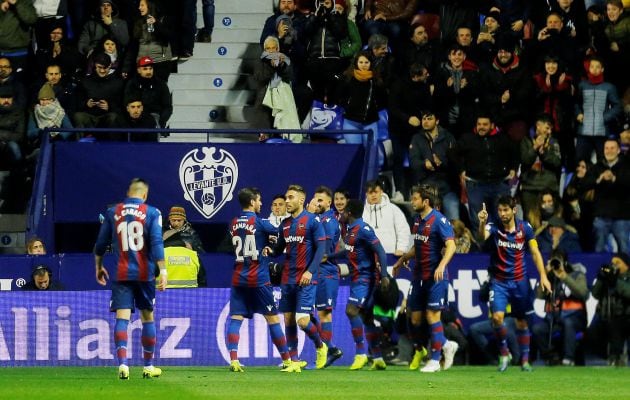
484, 28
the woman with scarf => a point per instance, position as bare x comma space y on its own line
47, 113
554, 97
548, 206
109, 46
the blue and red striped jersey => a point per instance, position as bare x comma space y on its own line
362, 246
250, 235
134, 229
508, 256
299, 237
333, 232
429, 236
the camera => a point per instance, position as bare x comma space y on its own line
556, 263
608, 271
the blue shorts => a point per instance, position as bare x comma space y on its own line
427, 295
297, 299
517, 293
129, 295
247, 301
362, 295
327, 289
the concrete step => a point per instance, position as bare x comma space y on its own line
210, 82
218, 97
236, 20
237, 35
208, 125
214, 137
216, 66
227, 50
201, 113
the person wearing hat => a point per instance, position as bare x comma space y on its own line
180, 232
559, 235
612, 289
41, 279
154, 93
48, 113
103, 22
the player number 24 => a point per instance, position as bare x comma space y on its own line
247, 249
131, 235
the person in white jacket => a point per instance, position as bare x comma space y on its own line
388, 221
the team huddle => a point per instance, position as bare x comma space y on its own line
311, 240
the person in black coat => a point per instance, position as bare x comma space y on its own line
41, 279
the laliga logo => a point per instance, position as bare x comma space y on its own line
208, 182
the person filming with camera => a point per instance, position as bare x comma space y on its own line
565, 309
612, 289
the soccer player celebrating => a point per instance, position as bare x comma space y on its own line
362, 247
303, 237
251, 289
432, 232
135, 230
328, 283
508, 279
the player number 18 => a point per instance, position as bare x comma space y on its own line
247, 249
131, 235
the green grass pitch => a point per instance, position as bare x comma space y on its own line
66, 383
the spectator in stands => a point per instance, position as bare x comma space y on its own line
456, 13
65, 88
48, 113
278, 210
612, 205
540, 163
491, 30
596, 113
554, 89
16, 19
35, 246
180, 232
41, 279
387, 220
204, 35
137, 118
613, 35
456, 91
56, 51
12, 126
486, 160
151, 33
557, 39
573, 14
108, 45
464, 39
155, 94
418, 50
103, 22
49, 13
565, 309
381, 58
513, 15
361, 95
578, 199
100, 97
184, 268
507, 90
323, 33
390, 18
547, 206
408, 97
351, 45
185, 27
288, 32
612, 289
430, 164
8, 79
559, 235
465, 241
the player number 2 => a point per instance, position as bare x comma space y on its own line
247, 249
131, 235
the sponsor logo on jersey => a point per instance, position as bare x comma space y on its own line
509, 245
209, 181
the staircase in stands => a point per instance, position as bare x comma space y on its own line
214, 89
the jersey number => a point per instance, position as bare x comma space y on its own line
247, 249
131, 235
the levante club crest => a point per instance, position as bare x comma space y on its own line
208, 181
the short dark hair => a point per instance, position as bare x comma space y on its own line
343, 191
372, 185
102, 59
506, 200
429, 192
324, 189
297, 188
544, 117
247, 195
354, 208
278, 196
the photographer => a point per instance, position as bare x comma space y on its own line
565, 309
612, 289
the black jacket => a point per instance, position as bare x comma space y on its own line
324, 32
361, 100
611, 199
109, 88
486, 158
156, 98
